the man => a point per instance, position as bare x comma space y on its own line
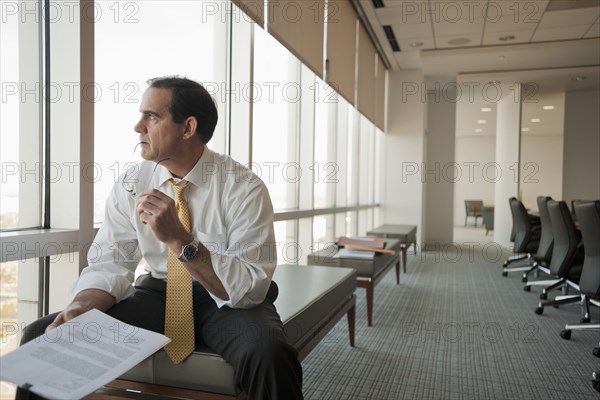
224, 241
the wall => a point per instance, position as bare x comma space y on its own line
404, 150
581, 154
439, 179
541, 168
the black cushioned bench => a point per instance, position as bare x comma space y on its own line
312, 299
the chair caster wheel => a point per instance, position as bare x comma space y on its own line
524, 280
539, 310
565, 334
585, 320
504, 273
543, 296
596, 352
527, 288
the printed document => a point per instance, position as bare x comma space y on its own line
80, 356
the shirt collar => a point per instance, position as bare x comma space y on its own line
198, 174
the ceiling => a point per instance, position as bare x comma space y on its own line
548, 46
445, 38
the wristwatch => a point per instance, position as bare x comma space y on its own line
189, 252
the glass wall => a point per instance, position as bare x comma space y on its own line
23, 93
136, 41
316, 153
21, 122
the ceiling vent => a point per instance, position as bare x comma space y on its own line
389, 33
378, 3
562, 5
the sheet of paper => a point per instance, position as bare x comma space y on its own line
80, 356
346, 253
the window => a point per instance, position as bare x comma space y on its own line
136, 41
21, 151
21, 110
325, 167
275, 119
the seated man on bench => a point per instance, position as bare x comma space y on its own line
204, 225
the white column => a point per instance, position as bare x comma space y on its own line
505, 172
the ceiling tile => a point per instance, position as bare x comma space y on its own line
412, 12
493, 38
454, 11
521, 10
560, 33
580, 16
441, 42
406, 31
594, 30
405, 44
408, 5
444, 28
509, 23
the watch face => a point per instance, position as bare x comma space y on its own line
189, 252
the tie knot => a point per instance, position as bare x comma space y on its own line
179, 189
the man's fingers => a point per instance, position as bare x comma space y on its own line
60, 319
154, 193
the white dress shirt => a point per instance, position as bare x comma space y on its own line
232, 216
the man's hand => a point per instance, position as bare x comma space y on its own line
83, 302
158, 210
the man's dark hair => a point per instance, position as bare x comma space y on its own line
190, 99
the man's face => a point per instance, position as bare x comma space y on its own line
160, 136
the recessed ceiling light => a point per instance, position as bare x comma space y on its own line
486, 109
459, 41
416, 44
478, 130
548, 107
536, 120
524, 129
578, 78
507, 38
481, 121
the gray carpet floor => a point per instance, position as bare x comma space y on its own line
455, 329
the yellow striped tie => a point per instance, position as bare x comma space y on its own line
179, 310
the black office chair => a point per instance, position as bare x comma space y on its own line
473, 208
544, 252
567, 256
487, 214
526, 237
588, 215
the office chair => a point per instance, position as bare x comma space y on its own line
588, 215
544, 252
567, 256
487, 214
473, 208
526, 237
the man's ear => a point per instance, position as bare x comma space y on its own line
190, 124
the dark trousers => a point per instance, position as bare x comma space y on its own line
250, 340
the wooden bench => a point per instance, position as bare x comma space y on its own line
312, 299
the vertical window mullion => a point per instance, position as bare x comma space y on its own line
46, 104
